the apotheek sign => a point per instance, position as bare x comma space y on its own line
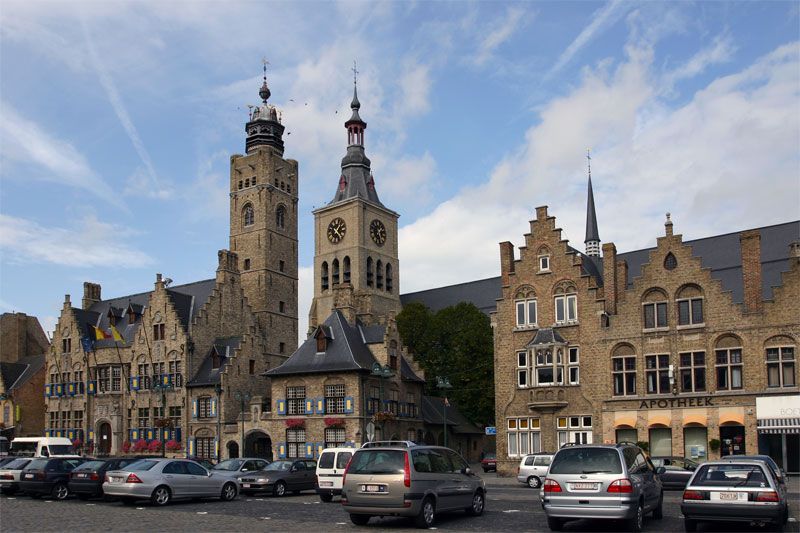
671, 403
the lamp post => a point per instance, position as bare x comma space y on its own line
444, 383
163, 388
243, 398
382, 372
218, 390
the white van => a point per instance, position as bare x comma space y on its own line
42, 447
330, 468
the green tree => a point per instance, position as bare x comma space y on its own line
455, 342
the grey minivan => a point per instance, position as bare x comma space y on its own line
410, 480
595, 481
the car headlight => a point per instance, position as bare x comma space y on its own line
263, 480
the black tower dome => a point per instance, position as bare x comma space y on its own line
264, 127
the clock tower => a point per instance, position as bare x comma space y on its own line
356, 267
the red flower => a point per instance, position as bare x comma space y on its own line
126, 446
154, 446
295, 423
140, 446
333, 422
173, 446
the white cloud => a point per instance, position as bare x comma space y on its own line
720, 51
90, 243
208, 196
694, 161
25, 142
501, 31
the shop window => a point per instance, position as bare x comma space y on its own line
780, 366
660, 442
657, 374
524, 436
732, 440
693, 371
627, 435
695, 441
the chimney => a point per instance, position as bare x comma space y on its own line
668, 226
610, 277
622, 278
506, 262
91, 294
750, 242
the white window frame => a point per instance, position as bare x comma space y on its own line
781, 362
569, 306
579, 433
521, 440
527, 322
544, 263
573, 364
691, 323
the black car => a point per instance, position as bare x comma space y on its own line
674, 471
48, 476
281, 476
86, 480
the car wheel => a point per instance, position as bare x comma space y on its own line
360, 519
534, 482
427, 514
327, 498
228, 492
279, 489
689, 525
555, 524
161, 496
478, 503
60, 491
635, 523
658, 512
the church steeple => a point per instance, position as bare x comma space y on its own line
592, 236
264, 127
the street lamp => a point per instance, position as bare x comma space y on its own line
243, 398
382, 372
163, 388
218, 390
444, 383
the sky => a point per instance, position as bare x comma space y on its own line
117, 122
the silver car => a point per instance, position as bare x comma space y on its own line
161, 480
233, 468
595, 481
533, 469
9, 474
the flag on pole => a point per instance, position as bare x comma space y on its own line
100, 335
116, 335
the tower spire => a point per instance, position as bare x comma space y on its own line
264, 127
592, 236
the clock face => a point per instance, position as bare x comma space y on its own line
336, 230
378, 232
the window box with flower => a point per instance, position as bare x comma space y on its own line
331, 422
295, 423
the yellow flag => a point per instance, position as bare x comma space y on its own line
116, 334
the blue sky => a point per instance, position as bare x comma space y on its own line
117, 121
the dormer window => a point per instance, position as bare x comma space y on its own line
216, 360
322, 341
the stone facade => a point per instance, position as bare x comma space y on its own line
668, 359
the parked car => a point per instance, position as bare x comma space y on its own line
5, 460
48, 476
735, 491
205, 463
533, 469
489, 462
766, 458
674, 471
10, 472
601, 481
86, 480
281, 476
330, 468
233, 468
162, 480
414, 481
42, 447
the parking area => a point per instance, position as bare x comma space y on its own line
510, 507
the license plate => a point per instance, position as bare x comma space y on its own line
729, 496
81, 475
373, 488
326, 484
245, 485
584, 486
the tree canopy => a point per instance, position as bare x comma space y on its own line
454, 342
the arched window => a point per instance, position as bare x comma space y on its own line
728, 363
525, 306
248, 215
346, 269
324, 275
654, 304
566, 303
335, 267
670, 262
689, 299
379, 274
389, 278
280, 217
370, 273
623, 370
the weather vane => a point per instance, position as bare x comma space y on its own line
355, 73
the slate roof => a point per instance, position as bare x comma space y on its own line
433, 412
720, 253
15, 375
546, 336
373, 334
187, 299
407, 373
207, 374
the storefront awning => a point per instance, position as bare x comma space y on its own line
779, 425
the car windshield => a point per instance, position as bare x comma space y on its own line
91, 465
231, 465
378, 462
586, 461
141, 465
37, 464
16, 464
731, 475
23, 449
279, 466
61, 449
490, 456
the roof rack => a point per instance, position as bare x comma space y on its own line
389, 444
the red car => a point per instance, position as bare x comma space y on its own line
489, 462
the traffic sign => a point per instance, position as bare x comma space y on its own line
491, 430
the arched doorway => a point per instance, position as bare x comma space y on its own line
258, 444
233, 450
104, 439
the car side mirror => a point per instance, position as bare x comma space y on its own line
660, 470
209, 473
467, 471
293, 469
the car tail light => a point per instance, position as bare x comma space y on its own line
344, 476
41, 475
551, 485
693, 495
133, 478
94, 476
406, 472
621, 486
769, 496
7, 476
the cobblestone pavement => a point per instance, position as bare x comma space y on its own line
510, 507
